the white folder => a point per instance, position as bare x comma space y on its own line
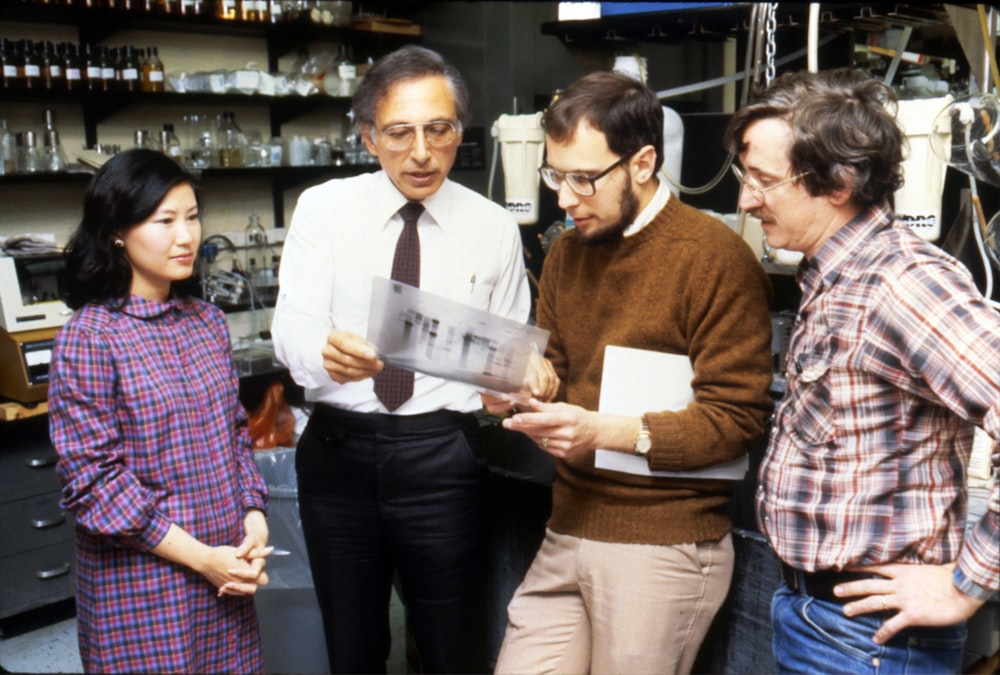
637, 381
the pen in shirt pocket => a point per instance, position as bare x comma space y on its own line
472, 284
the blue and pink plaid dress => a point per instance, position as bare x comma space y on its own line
146, 418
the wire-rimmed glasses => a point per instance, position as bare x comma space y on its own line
756, 189
437, 134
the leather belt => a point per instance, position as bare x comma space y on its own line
820, 584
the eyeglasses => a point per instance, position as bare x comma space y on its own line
579, 182
437, 134
756, 189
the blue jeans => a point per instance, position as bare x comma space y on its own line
814, 636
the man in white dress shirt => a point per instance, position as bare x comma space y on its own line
397, 487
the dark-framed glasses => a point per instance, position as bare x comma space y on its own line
581, 183
437, 134
756, 189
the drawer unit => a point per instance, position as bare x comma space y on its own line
36, 578
34, 522
27, 469
37, 554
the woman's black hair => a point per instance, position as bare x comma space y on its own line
123, 193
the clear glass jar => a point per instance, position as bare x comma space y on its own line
231, 142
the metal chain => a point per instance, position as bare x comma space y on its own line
770, 13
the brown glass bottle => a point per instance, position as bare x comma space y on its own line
107, 68
151, 79
29, 70
92, 80
72, 67
128, 70
225, 9
53, 74
8, 58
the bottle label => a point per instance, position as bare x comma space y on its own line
9, 70
73, 73
32, 71
108, 73
156, 76
130, 74
93, 72
55, 71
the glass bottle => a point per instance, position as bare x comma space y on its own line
230, 140
93, 79
275, 11
52, 77
347, 72
251, 10
49, 116
129, 69
152, 71
29, 158
9, 59
144, 140
53, 157
225, 9
8, 150
107, 69
72, 67
192, 7
170, 145
255, 240
28, 68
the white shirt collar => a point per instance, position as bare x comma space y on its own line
655, 205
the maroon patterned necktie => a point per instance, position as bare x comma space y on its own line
394, 386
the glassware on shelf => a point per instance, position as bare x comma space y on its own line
231, 142
225, 9
72, 67
199, 141
151, 77
8, 150
143, 139
252, 10
93, 80
299, 151
53, 157
129, 70
28, 68
29, 156
170, 145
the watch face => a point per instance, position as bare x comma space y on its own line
643, 444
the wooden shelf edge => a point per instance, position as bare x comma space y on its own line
12, 410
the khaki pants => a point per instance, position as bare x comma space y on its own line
596, 607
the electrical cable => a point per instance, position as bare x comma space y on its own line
978, 231
988, 43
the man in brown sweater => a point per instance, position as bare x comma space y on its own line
634, 567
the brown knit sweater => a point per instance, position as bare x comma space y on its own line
684, 284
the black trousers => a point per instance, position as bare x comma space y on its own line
389, 494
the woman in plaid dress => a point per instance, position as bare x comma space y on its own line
155, 460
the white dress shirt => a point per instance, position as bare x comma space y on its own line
343, 234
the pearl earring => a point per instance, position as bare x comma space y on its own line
119, 242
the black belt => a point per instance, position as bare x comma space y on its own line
324, 415
820, 584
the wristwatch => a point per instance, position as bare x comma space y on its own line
643, 443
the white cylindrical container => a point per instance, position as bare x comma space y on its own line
522, 147
673, 126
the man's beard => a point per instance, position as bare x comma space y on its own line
628, 207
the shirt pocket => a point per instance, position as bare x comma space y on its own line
813, 413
